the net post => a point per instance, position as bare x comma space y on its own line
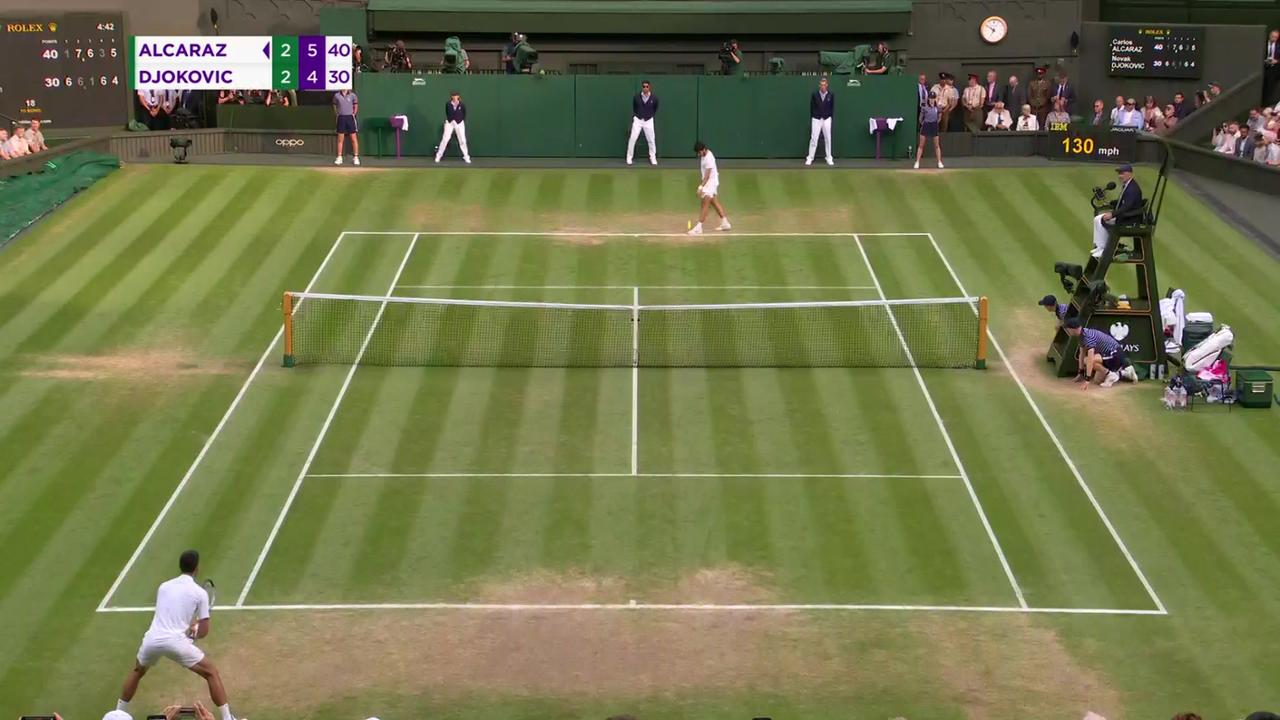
288, 329
982, 333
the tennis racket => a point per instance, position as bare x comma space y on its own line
211, 590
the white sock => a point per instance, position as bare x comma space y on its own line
122, 705
226, 712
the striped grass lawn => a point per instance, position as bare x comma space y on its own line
130, 320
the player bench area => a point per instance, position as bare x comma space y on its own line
718, 450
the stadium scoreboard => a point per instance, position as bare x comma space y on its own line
64, 69
1155, 52
245, 62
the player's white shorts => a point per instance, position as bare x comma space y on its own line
181, 650
710, 189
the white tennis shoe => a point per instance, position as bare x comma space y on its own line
337, 160
724, 224
696, 230
1111, 379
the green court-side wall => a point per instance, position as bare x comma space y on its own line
590, 115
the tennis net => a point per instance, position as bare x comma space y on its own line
409, 331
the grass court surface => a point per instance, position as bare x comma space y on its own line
531, 542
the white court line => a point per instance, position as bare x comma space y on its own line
217, 430
324, 429
559, 233
870, 476
690, 607
642, 287
635, 380
1062, 451
937, 418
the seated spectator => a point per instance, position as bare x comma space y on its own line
1058, 115
1256, 122
1247, 144
999, 118
230, 97
1150, 109
1271, 158
1225, 138
1153, 121
1027, 121
1117, 109
1170, 119
283, 98
1201, 98
1262, 148
1214, 90
1099, 118
4, 145
18, 144
1130, 116
258, 97
1181, 108
35, 138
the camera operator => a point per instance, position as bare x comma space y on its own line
877, 62
730, 56
1127, 206
398, 59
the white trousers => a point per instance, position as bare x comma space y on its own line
451, 127
636, 126
816, 126
1100, 236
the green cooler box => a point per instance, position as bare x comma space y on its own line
1253, 388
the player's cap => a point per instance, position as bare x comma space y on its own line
1125, 168
1048, 301
117, 715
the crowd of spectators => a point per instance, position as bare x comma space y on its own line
21, 141
278, 98
1255, 139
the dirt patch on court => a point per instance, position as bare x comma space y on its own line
726, 584
149, 366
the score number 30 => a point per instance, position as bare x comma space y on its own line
1078, 145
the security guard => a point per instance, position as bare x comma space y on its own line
1038, 94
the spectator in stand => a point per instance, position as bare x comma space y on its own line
1227, 138
1099, 117
1201, 99
1015, 95
4, 145
1256, 121
1117, 109
1059, 115
1152, 115
1065, 91
357, 58
283, 98
230, 97
974, 98
18, 144
1272, 157
257, 97
1260, 148
509, 54
1181, 108
1130, 116
398, 58
999, 118
1246, 146
948, 98
35, 138
1027, 121
994, 92
1038, 94
922, 90
1215, 90
1271, 67
1170, 119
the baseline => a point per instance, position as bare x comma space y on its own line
633, 605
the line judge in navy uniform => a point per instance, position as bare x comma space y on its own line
644, 106
822, 108
455, 123
1128, 205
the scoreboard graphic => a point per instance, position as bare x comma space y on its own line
64, 69
246, 62
1174, 51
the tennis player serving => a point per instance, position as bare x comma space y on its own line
181, 618
708, 188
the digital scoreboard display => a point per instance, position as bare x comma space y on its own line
1171, 51
64, 69
244, 62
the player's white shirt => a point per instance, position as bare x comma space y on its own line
707, 164
179, 602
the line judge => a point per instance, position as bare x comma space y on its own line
455, 123
644, 107
822, 108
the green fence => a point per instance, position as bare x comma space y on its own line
26, 198
590, 115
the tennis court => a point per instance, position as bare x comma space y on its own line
432, 486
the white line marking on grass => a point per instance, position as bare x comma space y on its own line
217, 430
689, 607
642, 287
937, 418
635, 380
324, 429
560, 233
1062, 451
868, 476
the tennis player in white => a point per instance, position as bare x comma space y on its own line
181, 617
708, 188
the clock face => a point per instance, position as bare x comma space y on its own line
994, 29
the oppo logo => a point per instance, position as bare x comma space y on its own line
290, 142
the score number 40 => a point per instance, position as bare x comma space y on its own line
336, 77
